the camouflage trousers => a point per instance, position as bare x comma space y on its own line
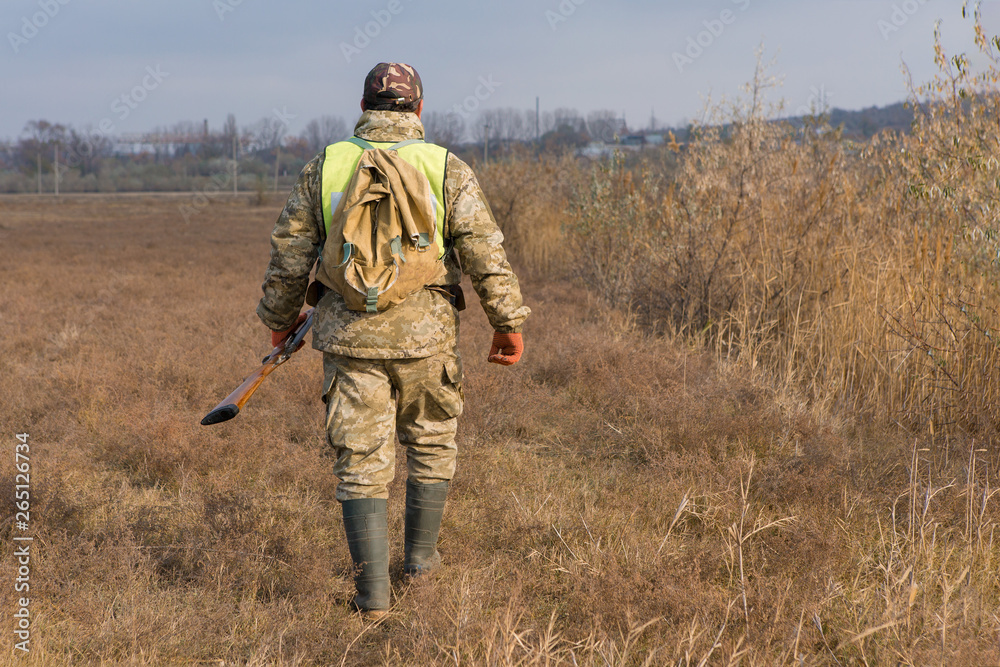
372, 401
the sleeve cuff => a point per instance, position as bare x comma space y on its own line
267, 317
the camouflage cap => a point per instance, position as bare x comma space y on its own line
389, 83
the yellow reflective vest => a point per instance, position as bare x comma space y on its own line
341, 159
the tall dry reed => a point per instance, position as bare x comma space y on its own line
860, 274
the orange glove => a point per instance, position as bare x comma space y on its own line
278, 337
506, 348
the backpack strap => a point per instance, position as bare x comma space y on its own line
348, 254
403, 144
364, 145
361, 143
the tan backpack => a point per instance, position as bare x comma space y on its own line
382, 244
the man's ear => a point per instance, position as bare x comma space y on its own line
363, 104
420, 108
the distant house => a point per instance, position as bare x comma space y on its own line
596, 149
169, 145
625, 140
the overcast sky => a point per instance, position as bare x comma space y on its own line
72, 61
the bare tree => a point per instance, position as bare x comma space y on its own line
187, 130
323, 131
85, 150
446, 129
36, 145
506, 125
267, 134
44, 132
547, 122
511, 125
482, 127
605, 125
230, 129
568, 119
529, 125
563, 130
8, 155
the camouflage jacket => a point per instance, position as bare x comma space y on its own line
425, 323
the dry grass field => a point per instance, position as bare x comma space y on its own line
758, 427
622, 498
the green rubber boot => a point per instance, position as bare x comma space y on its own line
424, 508
366, 527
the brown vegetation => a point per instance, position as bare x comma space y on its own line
757, 428
863, 275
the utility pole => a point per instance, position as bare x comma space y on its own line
277, 159
236, 174
56, 166
486, 142
39, 171
537, 124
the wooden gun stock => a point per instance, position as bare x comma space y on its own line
231, 405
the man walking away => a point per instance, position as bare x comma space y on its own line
390, 371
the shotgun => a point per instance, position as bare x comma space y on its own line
230, 405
